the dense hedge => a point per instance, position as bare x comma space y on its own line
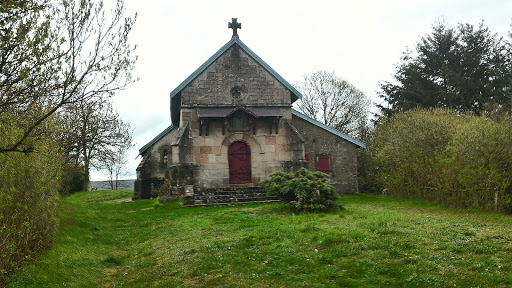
29, 186
302, 190
438, 155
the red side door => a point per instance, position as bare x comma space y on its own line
324, 164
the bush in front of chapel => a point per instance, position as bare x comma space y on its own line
302, 190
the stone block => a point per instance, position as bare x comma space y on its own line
205, 149
215, 149
270, 140
285, 156
268, 148
201, 158
210, 141
198, 141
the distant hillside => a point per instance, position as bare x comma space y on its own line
105, 185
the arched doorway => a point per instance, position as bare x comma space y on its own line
239, 158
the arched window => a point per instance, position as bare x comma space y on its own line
163, 159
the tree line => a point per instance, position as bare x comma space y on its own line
60, 64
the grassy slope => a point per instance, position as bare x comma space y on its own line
376, 242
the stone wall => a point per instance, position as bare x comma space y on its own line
342, 154
235, 68
152, 170
270, 152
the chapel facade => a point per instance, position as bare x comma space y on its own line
233, 125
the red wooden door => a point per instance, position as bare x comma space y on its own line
324, 165
239, 158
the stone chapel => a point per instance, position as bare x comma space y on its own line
233, 124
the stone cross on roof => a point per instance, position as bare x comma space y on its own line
234, 25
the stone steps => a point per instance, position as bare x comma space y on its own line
231, 203
227, 196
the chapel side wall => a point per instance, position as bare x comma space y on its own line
342, 154
235, 68
152, 170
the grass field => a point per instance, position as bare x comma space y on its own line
373, 242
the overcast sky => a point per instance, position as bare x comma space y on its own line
361, 41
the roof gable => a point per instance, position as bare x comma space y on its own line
330, 129
235, 41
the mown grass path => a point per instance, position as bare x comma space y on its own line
374, 242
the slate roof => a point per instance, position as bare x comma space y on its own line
233, 41
330, 129
222, 112
266, 111
154, 140
214, 112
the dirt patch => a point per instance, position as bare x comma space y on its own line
124, 200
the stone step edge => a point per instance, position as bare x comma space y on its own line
235, 196
229, 203
229, 193
234, 199
221, 191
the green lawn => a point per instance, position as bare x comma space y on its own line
374, 242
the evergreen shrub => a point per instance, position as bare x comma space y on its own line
302, 190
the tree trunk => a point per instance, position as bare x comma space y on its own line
85, 184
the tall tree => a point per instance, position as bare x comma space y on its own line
463, 68
333, 101
94, 134
56, 55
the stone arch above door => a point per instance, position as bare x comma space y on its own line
234, 137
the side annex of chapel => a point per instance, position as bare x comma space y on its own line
233, 125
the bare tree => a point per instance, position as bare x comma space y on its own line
333, 101
57, 55
115, 164
94, 134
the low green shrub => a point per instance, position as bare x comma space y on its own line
302, 190
29, 196
29, 185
